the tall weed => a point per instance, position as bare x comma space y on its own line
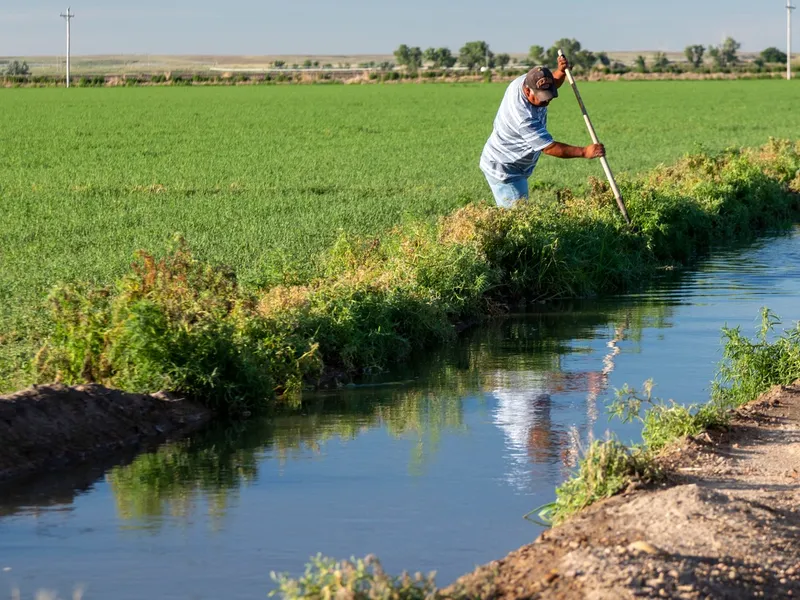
606, 468
751, 367
177, 324
356, 579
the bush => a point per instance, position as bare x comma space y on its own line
751, 367
174, 324
665, 422
356, 579
16, 68
607, 468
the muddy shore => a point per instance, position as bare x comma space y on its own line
55, 426
725, 524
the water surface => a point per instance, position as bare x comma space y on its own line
431, 467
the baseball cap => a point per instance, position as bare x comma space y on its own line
540, 80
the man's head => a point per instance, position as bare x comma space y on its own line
539, 86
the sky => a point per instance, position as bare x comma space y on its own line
268, 27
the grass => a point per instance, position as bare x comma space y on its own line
750, 367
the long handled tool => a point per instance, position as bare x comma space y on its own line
603, 160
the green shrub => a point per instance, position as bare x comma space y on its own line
174, 324
356, 579
751, 367
606, 469
664, 422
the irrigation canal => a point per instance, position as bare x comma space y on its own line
432, 467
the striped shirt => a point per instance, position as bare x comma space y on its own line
518, 138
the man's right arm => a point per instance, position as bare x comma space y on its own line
560, 150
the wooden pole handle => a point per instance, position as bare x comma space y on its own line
593, 134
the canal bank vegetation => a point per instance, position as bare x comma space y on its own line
175, 322
750, 367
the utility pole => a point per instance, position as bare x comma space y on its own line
789, 9
68, 17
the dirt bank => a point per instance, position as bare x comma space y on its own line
47, 427
725, 525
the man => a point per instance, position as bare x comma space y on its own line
520, 135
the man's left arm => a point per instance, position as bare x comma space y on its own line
560, 74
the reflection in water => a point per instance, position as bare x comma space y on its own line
523, 412
517, 366
209, 469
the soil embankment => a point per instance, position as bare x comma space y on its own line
726, 524
47, 427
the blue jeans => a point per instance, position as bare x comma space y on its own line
506, 193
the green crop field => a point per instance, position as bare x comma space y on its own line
256, 175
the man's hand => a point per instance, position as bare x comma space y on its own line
594, 151
560, 74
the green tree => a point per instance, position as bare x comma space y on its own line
572, 50
307, 63
448, 61
694, 54
602, 57
474, 54
17, 68
641, 64
536, 55
279, 64
725, 55
411, 58
660, 61
503, 60
773, 55
619, 67
729, 49
440, 57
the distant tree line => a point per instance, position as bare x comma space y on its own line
477, 55
474, 56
